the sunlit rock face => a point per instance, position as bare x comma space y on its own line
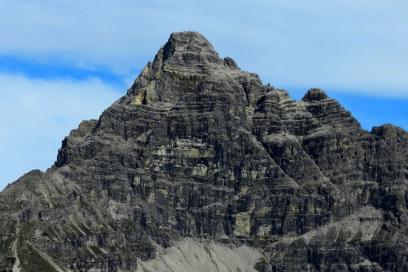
201, 167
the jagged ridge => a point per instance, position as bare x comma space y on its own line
199, 148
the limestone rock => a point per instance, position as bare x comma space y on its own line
201, 166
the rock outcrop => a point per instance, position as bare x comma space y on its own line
200, 159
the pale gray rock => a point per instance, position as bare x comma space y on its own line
200, 156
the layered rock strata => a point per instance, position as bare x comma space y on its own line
204, 163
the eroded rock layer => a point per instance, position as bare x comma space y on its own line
200, 156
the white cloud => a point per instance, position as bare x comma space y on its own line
334, 44
35, 116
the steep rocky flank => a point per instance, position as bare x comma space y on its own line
201, 166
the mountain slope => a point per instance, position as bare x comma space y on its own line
200, 156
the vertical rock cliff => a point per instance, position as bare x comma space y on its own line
201, 167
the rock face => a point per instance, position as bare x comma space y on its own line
201, 162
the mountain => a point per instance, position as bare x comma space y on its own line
201, 167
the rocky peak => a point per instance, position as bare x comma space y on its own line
188, 63
200, 152
187, 52
388, 131
315, 94
189, 42
230, 63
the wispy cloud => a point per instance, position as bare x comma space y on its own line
35, 115
359, 45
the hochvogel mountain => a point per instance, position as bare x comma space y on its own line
200, 167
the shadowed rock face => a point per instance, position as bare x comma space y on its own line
199, 156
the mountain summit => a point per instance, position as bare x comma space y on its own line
201, 167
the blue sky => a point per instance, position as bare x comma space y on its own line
65, 61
